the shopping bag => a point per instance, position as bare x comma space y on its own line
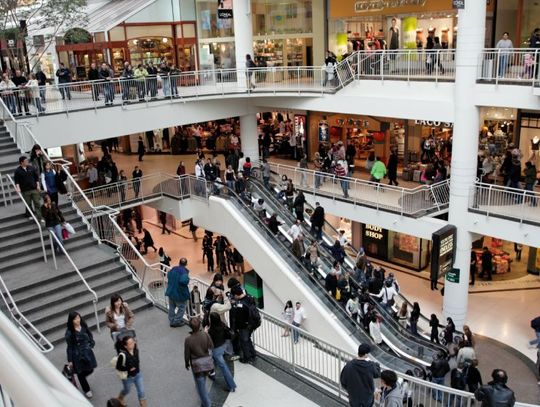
69, 228
65, 234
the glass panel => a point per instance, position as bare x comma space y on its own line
272, 17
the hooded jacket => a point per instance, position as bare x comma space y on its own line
393, 398
495, 394
357, 378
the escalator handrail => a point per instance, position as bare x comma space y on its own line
389, 321
306, 273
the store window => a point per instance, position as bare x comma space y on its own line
210, 26
287, 17
154, 49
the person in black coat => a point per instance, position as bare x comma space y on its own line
392, 168
80, 356
140, 148
298, 205
93, 75
148, 241
487, 263
317, 221
357, 377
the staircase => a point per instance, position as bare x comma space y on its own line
46, 295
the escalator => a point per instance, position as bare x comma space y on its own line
398, 338
385, 356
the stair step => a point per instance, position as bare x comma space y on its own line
30, 231
36, 288
33, 237
14, 221
36, 255
56, 335
104, 282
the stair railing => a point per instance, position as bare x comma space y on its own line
56, 242
32, 215
25, 326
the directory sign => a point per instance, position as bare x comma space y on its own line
443, 251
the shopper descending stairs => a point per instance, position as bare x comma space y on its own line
42, 293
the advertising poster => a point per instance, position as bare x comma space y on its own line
225, 9
323, 131
408, 28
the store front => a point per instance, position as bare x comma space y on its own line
283, 134
517, 17
394, 247
358, 25
284, 34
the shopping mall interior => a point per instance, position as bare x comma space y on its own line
258, 199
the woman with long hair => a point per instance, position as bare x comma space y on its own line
220, 334
434, 324
449, 331
128, 361
118, 316
403, 315
468, 336
415, 316
288, 312
80, 356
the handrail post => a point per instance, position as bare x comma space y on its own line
437, 62
409, 66
96, 314
52, 250
489, 199
381, 63
497, 67
298, 78
535, 68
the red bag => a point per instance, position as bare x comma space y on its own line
65, 234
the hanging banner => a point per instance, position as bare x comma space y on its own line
225, 9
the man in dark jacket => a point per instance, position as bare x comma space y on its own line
178, 293
317, 221
439, 368
64, 78
240, 323
496, 392
357, 378
487, 263
93, 75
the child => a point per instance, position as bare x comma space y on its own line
195, 300
528, 64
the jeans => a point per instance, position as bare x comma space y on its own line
503, 64
30, 197
345, 188
136, 187
455, 401
176, 316
266, 182
166, 86
437, 394
536, 341
43, 93
108, 91
139, 385
217, 355
64, 90
57, 230
200, 382
295, 332
248, 350
230, 185
37, 102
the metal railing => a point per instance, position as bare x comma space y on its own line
24, 325
55, 242
417, 202
73, 96
516, 66
428, 65
505, 202
32, 215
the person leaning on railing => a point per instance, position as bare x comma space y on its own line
6, 90
106, 75
64, 78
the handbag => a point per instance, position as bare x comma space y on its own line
69, 374
69, 228
122, 374
203, 364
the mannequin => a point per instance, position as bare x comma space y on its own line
393, 35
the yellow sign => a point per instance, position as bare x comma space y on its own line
538, 259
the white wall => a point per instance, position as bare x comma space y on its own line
166, 11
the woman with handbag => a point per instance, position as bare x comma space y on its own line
197, 355
118, 316
80, 356
221, 337
128, 366
53, 220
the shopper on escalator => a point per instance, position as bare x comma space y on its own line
317, 221
415, 316
449, 331
274, 224
337, 252
387, 294
357, 378
375, 329
330, 283
434, 324
297, 247
298, 205
439, 368
289, 194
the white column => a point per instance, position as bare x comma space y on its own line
471, 28
243, 31
249, 136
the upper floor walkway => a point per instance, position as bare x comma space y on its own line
403, 84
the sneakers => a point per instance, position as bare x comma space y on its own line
234, 357
89, 394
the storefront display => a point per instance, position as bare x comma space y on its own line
395, 247
155, 50
283, 33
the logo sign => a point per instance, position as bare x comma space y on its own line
11, 43
443, 251
431, 123
458, 4
225, 9
364, 6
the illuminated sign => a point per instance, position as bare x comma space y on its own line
373, 232
433, 123
443, 251
225, 9
364, 6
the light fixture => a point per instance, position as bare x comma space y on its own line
165, 40
135, 42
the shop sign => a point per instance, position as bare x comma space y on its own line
443, 251
431, 123
453, 276
365, 6
375, 241
374, 232
225, 9
11, 43
458, 4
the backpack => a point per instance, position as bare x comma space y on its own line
254, 316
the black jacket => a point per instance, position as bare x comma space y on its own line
28, 179
439, 368
128, 363
495, 394
240, 314
317, 219
93, 74
79, 350
52, 215
357, 378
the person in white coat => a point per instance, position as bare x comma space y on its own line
375, 330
